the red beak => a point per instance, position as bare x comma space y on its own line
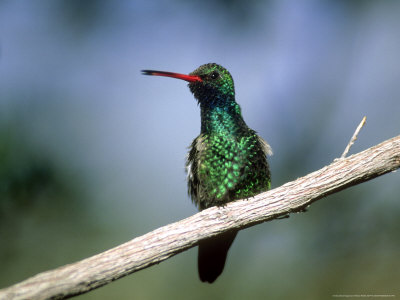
189, 78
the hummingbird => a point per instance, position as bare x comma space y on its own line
226, 162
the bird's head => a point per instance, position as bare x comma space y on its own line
211, 84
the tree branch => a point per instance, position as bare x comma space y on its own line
167, 241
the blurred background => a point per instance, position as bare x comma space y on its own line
92, 152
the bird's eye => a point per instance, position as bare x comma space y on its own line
214, 75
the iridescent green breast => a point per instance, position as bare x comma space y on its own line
223, 168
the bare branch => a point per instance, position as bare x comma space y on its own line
169, 240
354, 137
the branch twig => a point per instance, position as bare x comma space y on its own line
354, 137
167, 241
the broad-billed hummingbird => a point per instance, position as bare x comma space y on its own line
226, 162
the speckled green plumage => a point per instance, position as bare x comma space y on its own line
227, 161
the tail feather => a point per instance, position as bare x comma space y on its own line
212, 255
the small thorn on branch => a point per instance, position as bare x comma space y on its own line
354, 137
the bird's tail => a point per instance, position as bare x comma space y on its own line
212, 255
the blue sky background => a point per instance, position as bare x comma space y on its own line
305, 73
